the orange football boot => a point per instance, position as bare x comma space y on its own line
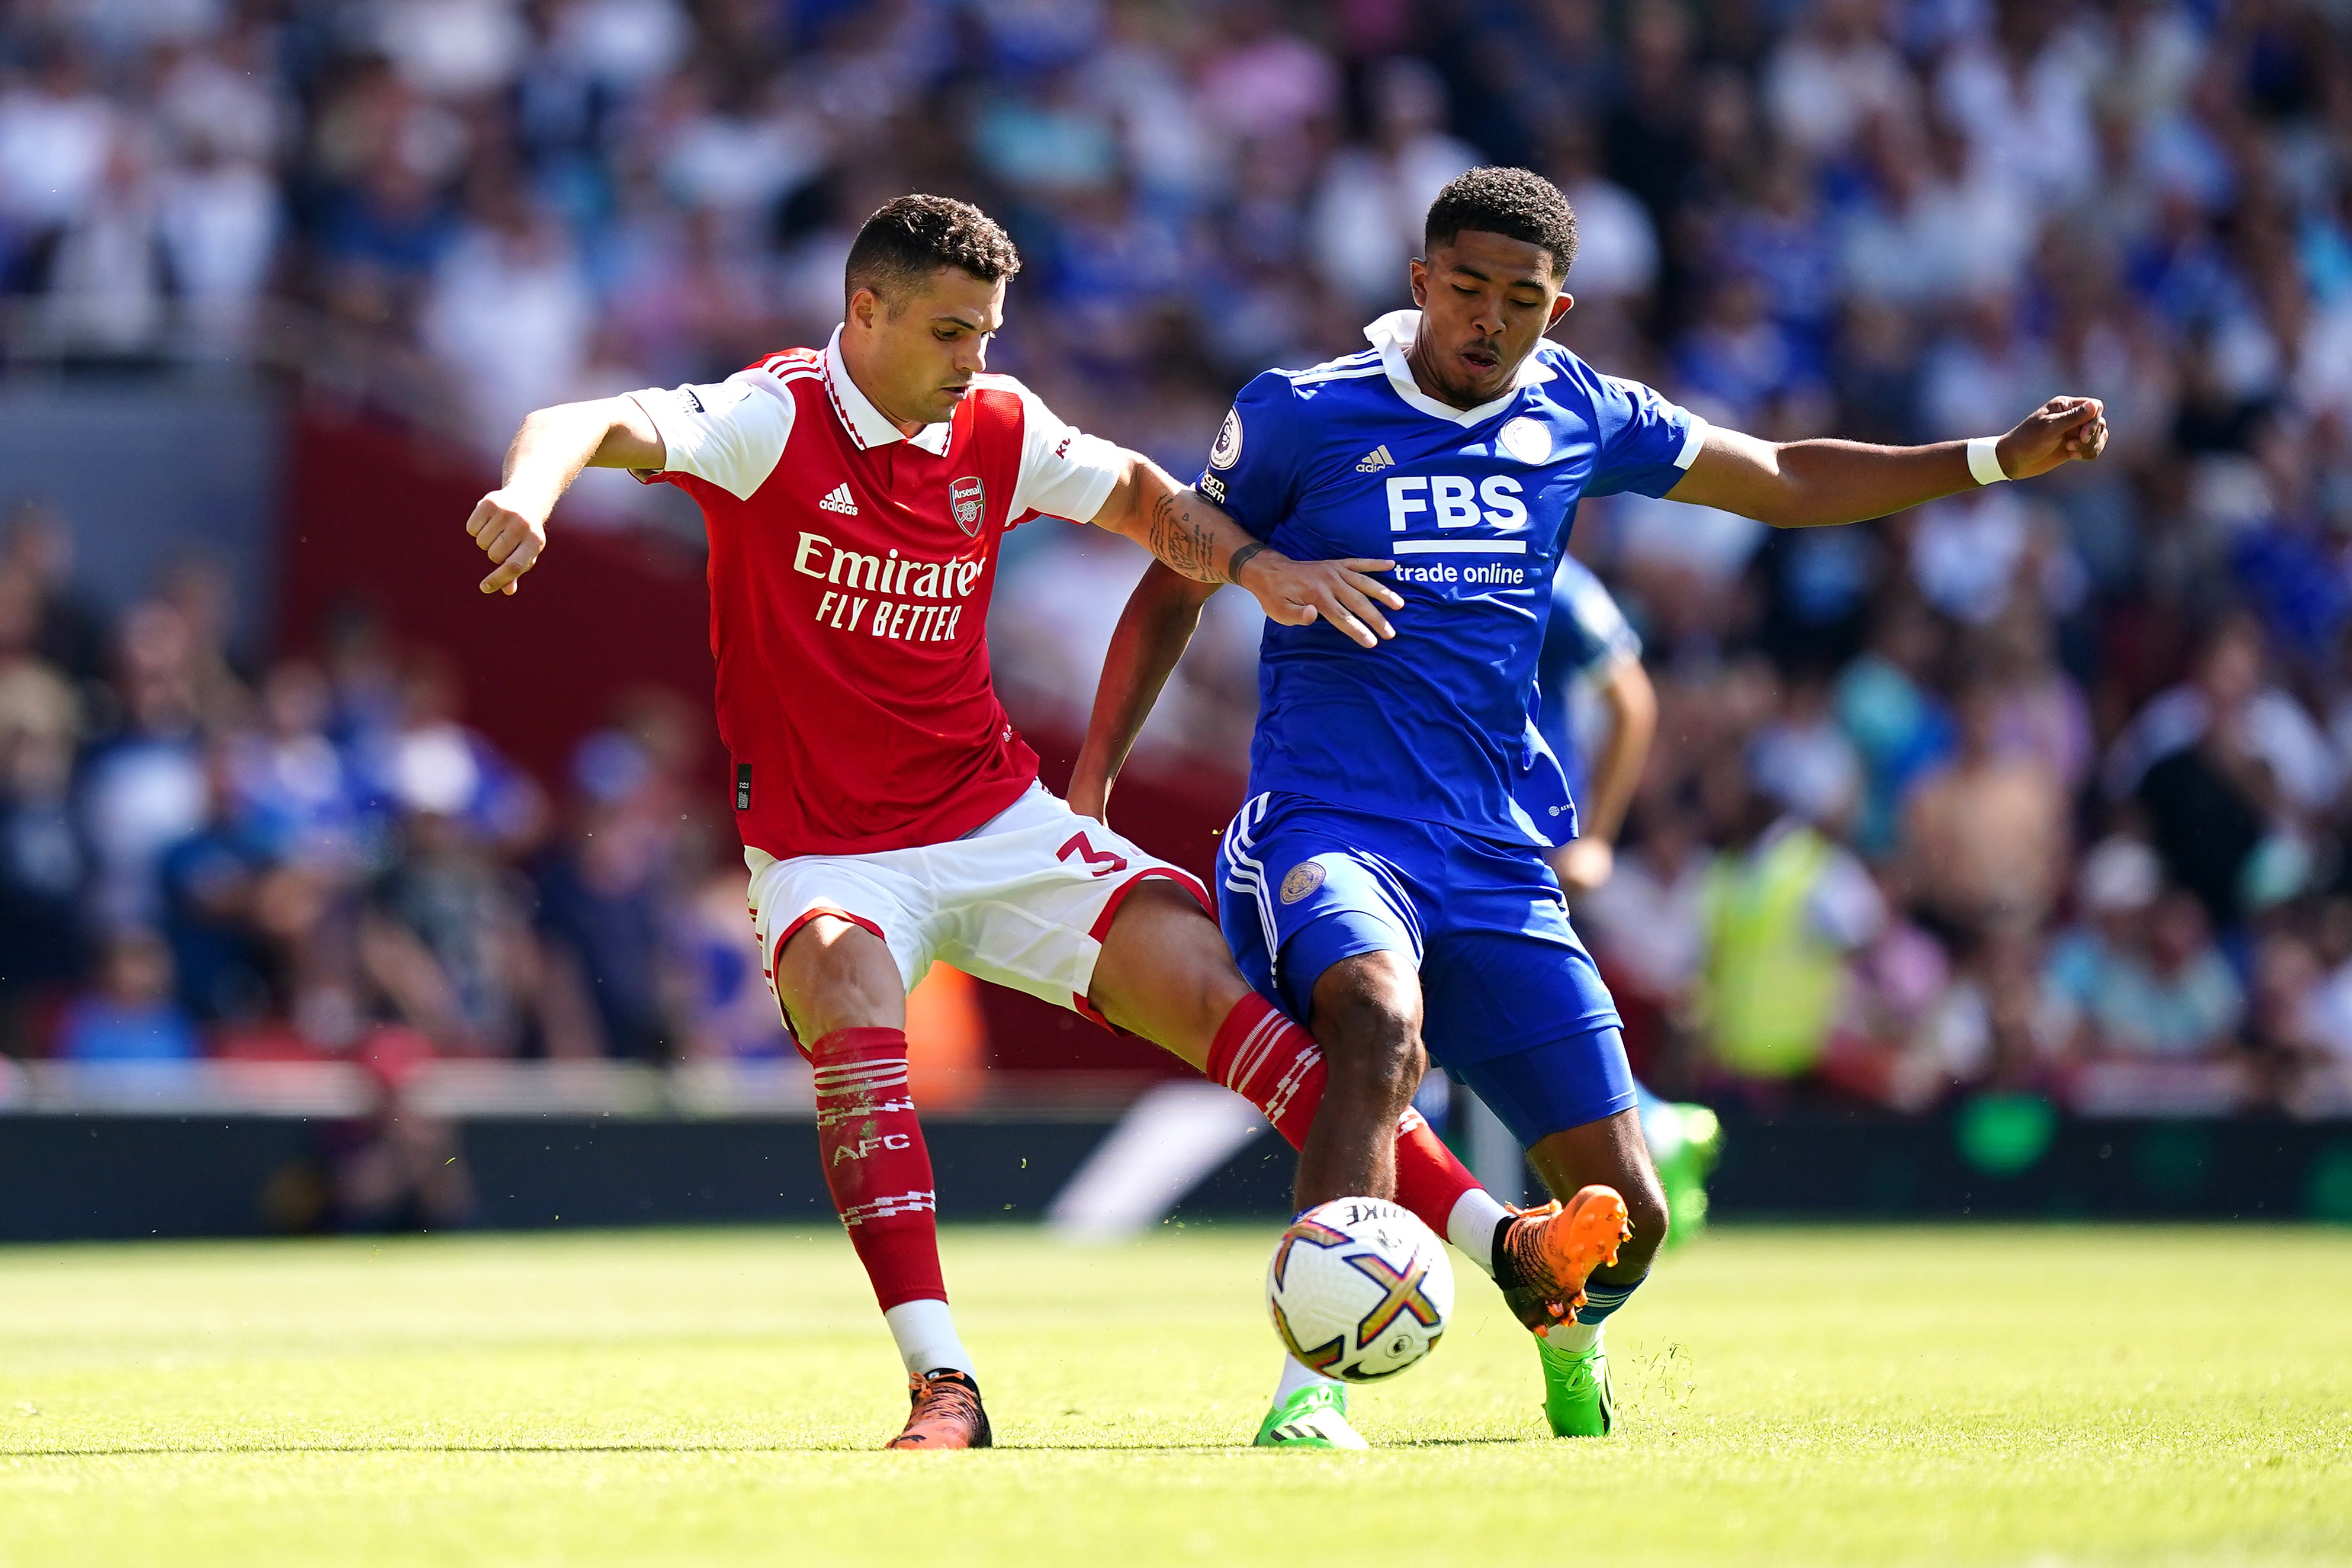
1548, 1254
947, 1413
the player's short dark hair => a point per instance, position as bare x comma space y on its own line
1518, 204
910, 237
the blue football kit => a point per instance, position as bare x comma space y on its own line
1587, 636
1402, 798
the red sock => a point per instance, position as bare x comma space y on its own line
1274, 1064
1430, 1180
876, 1162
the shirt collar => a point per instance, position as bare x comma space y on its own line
869, 425
1392, 335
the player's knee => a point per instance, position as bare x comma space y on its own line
835, 975
1646, 1213
1374, 1048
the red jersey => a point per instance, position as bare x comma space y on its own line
850, 573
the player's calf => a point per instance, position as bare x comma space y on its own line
1367, 1018
1612, 1152
1166, 973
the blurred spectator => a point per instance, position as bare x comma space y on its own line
447, 938
733, 1015
130, 1015
1834, 74
508, 313
1985, 837
1616, 241
2142, 980
70, 634
604, 900
44, 862
2215, 762
145, 790
1785, 905
1365, 220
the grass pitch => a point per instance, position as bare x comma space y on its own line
1935, 1396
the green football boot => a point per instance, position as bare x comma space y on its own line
1314, 1418
1579, 1399
1686, 1141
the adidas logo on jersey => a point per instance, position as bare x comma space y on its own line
838, 500
1373, 461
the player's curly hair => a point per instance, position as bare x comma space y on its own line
910, 237
1515, 203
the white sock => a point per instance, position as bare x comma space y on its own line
926, 1333
1573, 1337
1296, 1375
1470, 1226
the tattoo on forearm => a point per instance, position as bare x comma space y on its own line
1183, 543
1240, 556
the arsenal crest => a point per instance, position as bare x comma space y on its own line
968, 501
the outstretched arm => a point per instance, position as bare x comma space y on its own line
1807, 484
1198, 541
547, 454
1153, 631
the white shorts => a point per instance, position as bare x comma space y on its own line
1024, 900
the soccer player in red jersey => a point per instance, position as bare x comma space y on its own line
855, 499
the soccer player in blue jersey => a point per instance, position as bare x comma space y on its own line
1387, 880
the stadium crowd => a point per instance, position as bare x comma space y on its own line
2041, 787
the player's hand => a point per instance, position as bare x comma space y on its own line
2062, 430
1584, 864
1296, 592
511, 532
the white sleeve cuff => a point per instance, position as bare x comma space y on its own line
1692, 443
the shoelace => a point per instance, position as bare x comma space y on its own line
1528, 1261
945, 1398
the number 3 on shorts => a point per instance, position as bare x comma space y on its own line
1105, 863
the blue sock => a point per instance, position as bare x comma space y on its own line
1599, 1301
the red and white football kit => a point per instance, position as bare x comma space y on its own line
876, 776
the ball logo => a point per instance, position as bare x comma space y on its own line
1525, 439
1359, 1289
968, 501
1228, 449
1303, 878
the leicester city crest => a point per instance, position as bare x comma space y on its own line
1303, 878
969, 501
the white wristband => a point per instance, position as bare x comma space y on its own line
1984, 460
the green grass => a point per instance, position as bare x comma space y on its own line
1933, 1396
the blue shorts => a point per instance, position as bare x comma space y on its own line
1303, 885
1553, 1088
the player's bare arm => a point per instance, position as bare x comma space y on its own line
547, 454
1153, 631
1195, 539
1587, 861
1810, 484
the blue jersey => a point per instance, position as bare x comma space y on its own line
1474, 505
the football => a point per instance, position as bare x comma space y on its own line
1359, 1290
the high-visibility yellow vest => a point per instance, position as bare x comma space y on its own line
1773, 984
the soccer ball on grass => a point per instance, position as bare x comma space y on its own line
1359, 1290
